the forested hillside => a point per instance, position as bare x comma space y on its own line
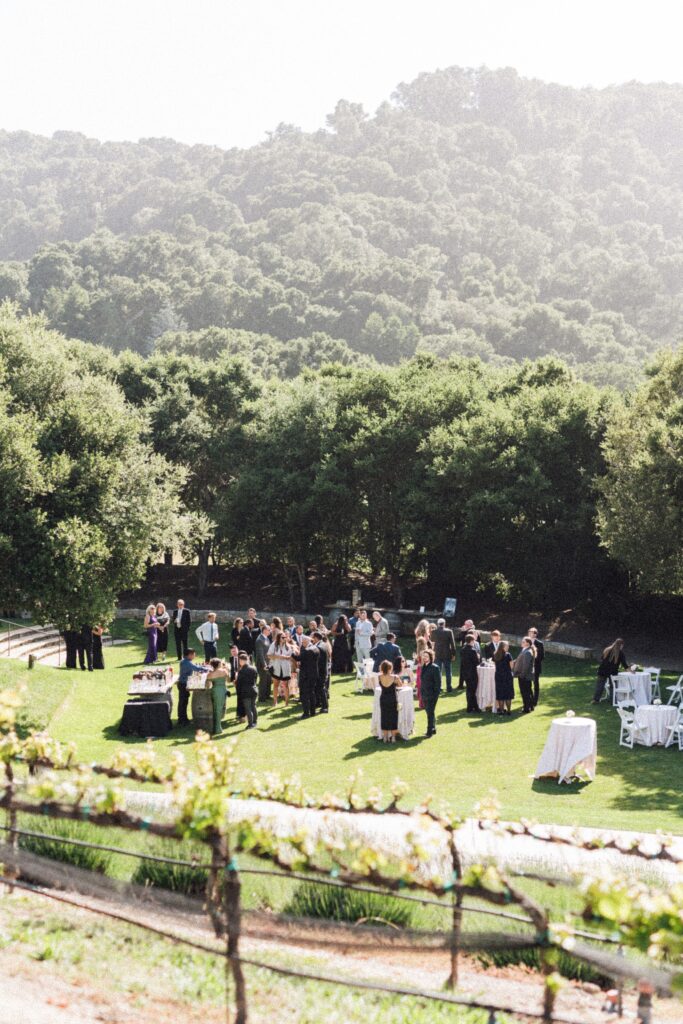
476, 213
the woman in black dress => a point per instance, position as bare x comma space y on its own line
97, 653
505, 688
388, 702
341, 652
163, 618
613, 658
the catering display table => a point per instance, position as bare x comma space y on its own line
486, 687
654, 722
149, 711
638, 685
406, 713
571, 743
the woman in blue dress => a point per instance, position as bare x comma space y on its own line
151, 626
505, 689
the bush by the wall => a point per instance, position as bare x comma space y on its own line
338, 904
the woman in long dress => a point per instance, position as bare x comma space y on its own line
97, 652
217, 681
505, 689
341, 652
280, 655
163, 619
388, 702
150, 625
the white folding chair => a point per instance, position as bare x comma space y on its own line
360, 675
629, 730
608, 691
654, 674
675, 731
621, 690
676, 692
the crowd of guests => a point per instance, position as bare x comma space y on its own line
84, 647
277, 661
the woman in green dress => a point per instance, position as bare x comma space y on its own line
217, 681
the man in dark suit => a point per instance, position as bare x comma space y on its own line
84, 647
261, 662
470, 663
182, 620
538, 662
444, 651
492, 646
388, 650
308, 657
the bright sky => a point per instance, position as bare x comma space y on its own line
227, 71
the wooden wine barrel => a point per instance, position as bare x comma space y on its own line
202, 710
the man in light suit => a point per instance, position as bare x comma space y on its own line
182, 620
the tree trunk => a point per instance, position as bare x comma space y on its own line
397, 590
203, 553
168, 558
302, 573
289, 583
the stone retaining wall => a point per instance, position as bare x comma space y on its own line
402, 622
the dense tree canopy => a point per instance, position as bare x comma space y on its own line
84, 502
477, 214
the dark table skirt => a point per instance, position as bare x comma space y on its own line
146, 717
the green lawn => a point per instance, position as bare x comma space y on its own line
469, 756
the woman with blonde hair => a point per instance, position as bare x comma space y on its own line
150, 625
422, 644
280, 655
163, 619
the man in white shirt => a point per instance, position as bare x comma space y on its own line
208, 634
363, 636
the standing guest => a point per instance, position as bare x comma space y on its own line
299, 634
388, 702
217, 681
208, 635
323, 686
505, 689
467, 627
431, 688
342, 662
538, 662
245, 686
312, 627
613, 658
97, 652
308, 675
291, 626
444, 651
422, 644
280, 655
363, 636
251, 614
243, 640
492, 646
236, 629
233, 665
84, 647
380, 627
163, 619
524, 670
261, 648
422, 628
150, 625
353, 619
388, 650
254, 627
71, 642
276, 624
182, 620
187, 667
469, 659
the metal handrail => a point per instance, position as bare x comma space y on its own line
18, 625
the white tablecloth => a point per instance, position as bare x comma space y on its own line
571, 742
486, 688
406, 713
654, 721
639, 685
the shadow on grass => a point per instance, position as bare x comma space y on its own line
370, 745
551, 787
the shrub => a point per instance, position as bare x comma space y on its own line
566, 965
65, 853
335, 903
190, 881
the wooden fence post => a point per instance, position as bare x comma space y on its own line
233, 915
456, 926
